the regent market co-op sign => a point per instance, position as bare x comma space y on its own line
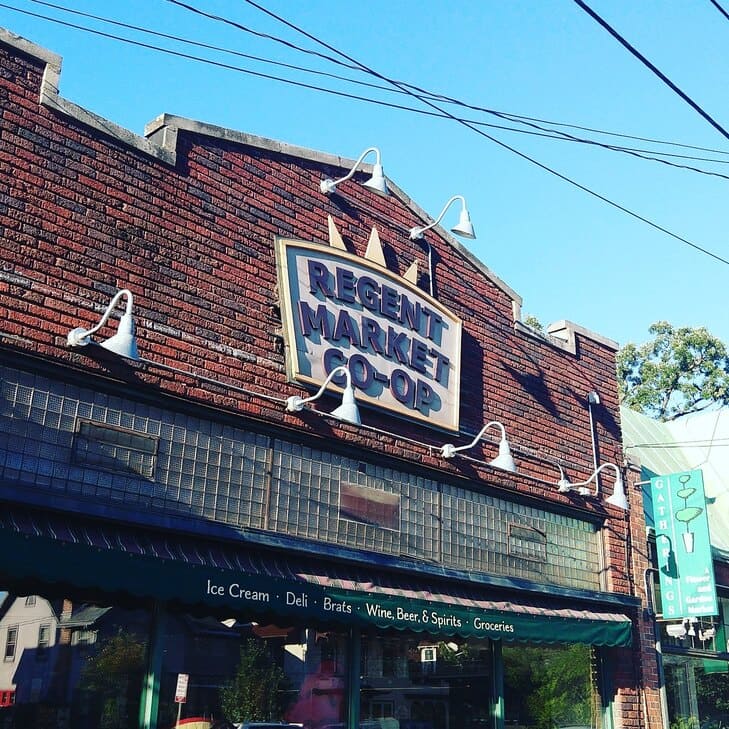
685, 567
402, 347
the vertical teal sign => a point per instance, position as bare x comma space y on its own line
685, 568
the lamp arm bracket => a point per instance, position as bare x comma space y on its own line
295, 403
416, 233
449, 450
79, 337
593, 477
350, 174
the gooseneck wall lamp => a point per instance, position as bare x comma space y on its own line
464, 227
124, 342
504, 460
617, 498
347, 411
376, 183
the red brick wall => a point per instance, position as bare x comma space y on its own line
83, 214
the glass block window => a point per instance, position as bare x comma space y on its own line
114, 449
305, 501
90, 445
93, 445
489, 534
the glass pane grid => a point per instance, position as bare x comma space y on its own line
518, 540
224, 474
78, 441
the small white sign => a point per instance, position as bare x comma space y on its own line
181, 691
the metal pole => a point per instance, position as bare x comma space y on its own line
594, 399
149, 703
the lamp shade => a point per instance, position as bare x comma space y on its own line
124, 342
348, 410
464, 227
504, 460
618, 497
377, 182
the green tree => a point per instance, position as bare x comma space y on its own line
257, 691
113, 680
549, 687
680, 371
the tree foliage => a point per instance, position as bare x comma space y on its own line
680, 371
256, 692
533, 323
113, 678
550, 686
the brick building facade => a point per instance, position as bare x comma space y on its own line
159, 482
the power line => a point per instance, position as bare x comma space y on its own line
681, 444
401, 85
357, 66
472, 125
499, 142
653, 68
180, 39
719, 8
544, 132
525, 121
617, 134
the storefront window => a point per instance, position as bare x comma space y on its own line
251, 672
415, 681
550, 688
697, 692
82, 666
697, 687
58, 679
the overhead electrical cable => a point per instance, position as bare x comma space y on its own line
521, 119
403, 84
472, 125
683, 444
648, 64
544, 132
270, 77
480, 132
720, 8
613, 134
180, 39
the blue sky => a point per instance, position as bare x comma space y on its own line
568, 254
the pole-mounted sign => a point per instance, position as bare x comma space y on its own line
685, 568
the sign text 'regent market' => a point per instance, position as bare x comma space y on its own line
401, 346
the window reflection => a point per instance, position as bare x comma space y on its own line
414, 681
71, 664
548, 687
697, 692
252, 672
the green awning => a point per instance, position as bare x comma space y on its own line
112, 558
